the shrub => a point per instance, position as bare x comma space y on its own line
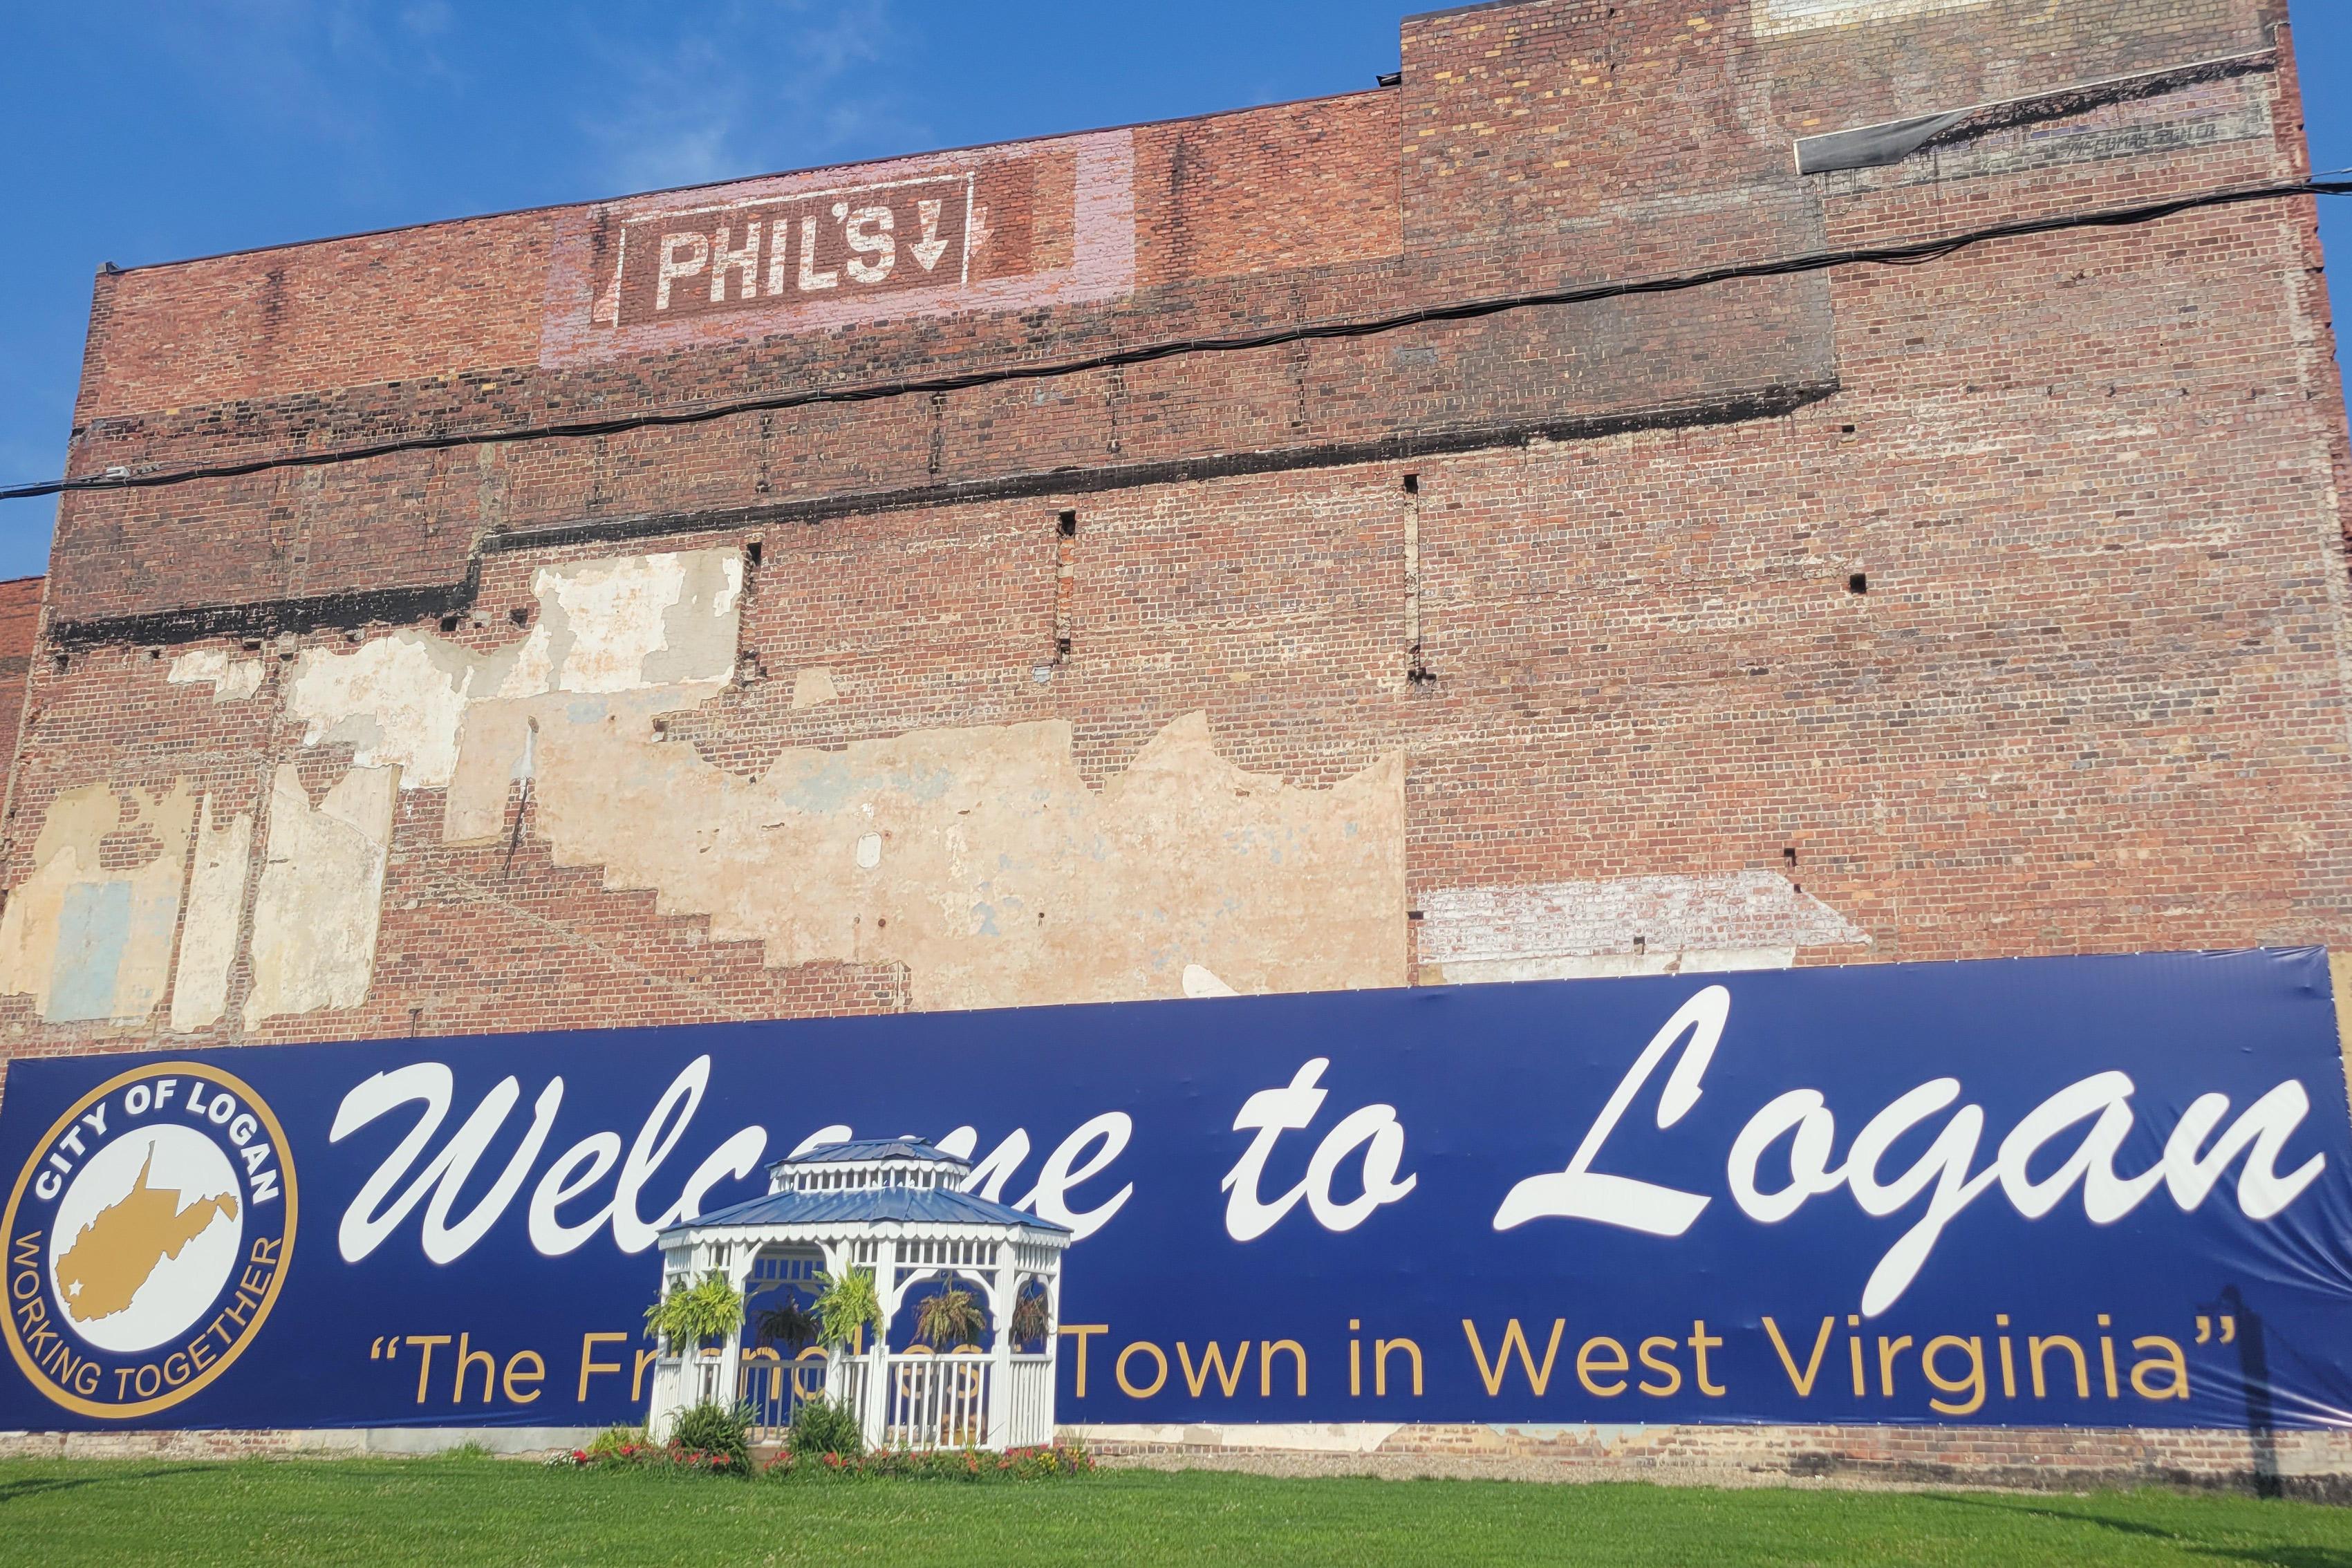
711, 1427
821, 1426
613, 1441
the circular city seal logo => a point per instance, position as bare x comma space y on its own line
146, 1240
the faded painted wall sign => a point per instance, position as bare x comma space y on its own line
918, 233
2104, 1192
1008, 227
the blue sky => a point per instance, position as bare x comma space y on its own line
145, 131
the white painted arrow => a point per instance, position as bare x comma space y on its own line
932, 246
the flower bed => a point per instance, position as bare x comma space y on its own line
1042, 1464
624, 1449
610, 1453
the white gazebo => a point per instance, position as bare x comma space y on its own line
898, 1208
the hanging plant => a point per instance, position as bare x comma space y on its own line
1032, 1319
950, 1319
847, 1305
788, 1323
691, 1315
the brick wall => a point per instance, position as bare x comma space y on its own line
1992, 605
20, 627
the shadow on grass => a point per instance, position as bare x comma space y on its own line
2039, 1509
40, 1486
2280, 1554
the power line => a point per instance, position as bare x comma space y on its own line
1906, 254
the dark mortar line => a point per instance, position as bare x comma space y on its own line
405, 607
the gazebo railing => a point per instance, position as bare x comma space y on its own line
1030, 1390
937, 1402
774, 1386
697, 1375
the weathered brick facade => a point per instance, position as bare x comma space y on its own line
20, 629
1989, 606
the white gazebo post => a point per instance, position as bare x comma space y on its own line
1053, 1283
876, 1418
836, 1363
693, 1354
670, 1373
741, 1258
1004, 1293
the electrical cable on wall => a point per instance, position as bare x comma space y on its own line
1912, 254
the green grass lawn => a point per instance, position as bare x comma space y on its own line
451, 1512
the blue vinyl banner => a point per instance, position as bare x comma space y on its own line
2111, 1192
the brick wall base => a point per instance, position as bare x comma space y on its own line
350, 1443
2316, 1466
2313, 1465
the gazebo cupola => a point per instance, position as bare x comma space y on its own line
897, 1207
868, 1164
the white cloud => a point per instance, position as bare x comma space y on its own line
427, 20
754, 85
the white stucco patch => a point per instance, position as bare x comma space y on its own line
397, 702
322, 897
208, 937
231, 680
1629, 925
632, 624
636, 621
1612, 966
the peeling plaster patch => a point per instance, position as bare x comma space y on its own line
231, 680
1776, 16
315, 918
812, 686
215, 910
1633, 925
1001, 880
91, 943
1608, 965
496, 747
396, 701
634, 623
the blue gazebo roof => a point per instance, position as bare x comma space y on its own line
921, 1206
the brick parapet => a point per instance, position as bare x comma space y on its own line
1251, 221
